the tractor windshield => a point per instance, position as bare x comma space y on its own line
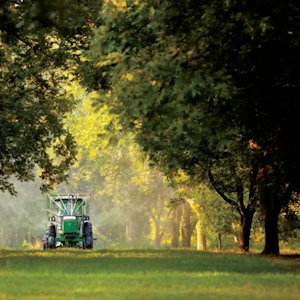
68, 207
73, 207
78, 207
56, 209
60, 208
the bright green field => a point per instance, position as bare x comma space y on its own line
145, 274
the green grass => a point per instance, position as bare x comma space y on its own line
145, 274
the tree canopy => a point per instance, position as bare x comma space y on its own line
210, 89
39, 41
193, 79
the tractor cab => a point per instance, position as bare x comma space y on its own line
68, 217
71, 206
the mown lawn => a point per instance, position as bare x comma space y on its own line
145, 274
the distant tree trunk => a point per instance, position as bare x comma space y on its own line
157, 241
176, 216
158, 234
201, 237
245, 231
128, 231
186, 229
203, 242
219, 241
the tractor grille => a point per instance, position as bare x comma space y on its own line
69, 235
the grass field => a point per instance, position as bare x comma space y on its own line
145, 274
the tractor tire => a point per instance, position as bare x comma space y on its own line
88, 233
88, 229
89, 242
45, 238
51, 242
52, 231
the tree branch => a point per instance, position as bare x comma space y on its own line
252, 198
217, 189
286, 197
239, 190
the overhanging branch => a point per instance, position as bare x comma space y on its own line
218, 190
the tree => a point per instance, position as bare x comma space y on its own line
214, 216
129, 196
193, 78
233, 178
176, 213
39, 41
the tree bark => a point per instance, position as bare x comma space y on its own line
176, 216
158, 234
220, 241
186, 229
128, 231
201, 237
268, 194
271, 233
246, 212
246, 223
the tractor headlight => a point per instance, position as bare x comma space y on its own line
53, 218
86, 217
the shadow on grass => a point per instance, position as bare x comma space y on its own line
144, 261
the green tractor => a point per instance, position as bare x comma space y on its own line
68, 222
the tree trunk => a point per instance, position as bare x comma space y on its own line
271, 233
270, 207
176, 216
201, 237
158, 234
246, 223
128, 231
186, 229
157, 241
219, 241
203, 242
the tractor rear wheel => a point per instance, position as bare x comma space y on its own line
89, 242
88, 229
52, 231
88, 232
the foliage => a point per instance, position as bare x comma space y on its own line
194, 80
128, 195
289, 222
39, 40
174, 75
209, 88
212, 212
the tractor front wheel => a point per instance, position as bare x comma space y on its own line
45, 245
51, 242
